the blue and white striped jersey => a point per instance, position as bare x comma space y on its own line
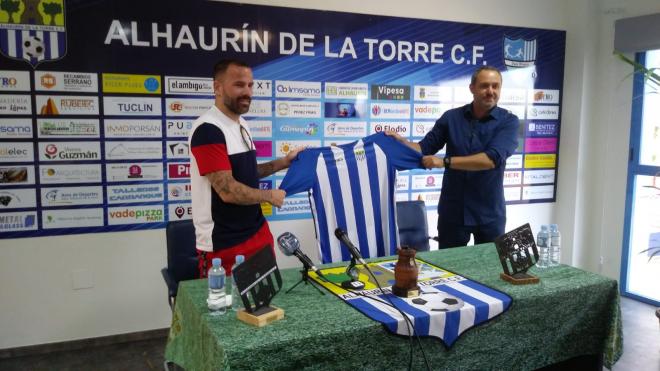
352, 187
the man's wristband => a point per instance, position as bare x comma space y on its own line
447, 162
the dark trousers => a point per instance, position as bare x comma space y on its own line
454, 235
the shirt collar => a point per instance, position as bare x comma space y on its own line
495, 112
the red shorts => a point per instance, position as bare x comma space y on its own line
247, 248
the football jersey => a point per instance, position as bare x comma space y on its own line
352, 187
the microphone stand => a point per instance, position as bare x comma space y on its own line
305, 278
351, 271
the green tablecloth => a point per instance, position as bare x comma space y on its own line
569, 313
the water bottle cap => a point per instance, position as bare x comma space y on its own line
553, 227
216, 262
544, 227
240, 259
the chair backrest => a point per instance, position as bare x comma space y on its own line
181, 251
413, 227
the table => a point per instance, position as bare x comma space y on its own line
570, 313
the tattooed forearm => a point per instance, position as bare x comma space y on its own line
270, 168
232, 191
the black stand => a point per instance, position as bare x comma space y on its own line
305, 278
353, 283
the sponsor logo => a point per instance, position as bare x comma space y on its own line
390, 110
430, 199
511, 193
189, 85
133, 129
17, 198
187, 106
177, 150
345, 129
16, 175
260, 108
401, 128
427, 181
517, 110
536, 145
512, 95
512, 177
261, 129
69, 151
298, 109
132, 172
72, 218
131, 106
16, 152
14, 81
401, 196
264, 148
36, 34
297, 89
178, 171
266, 184
538, 192
541, 129
339, 90
135, 215
545, 96
295, 205
433, 93
421, 128
310, 129
127, 83
286, 146
133, 150
402, 182
178, 128
69, 196
180, 211
430, 111
67, 105
53, 128
539, 176
135, 193
543, 112
15, 128
52, 174
15, 105
540, 161
66, 81
390, 92
23, 221
179, 191
262, 88
345, 110
519, 53
514, 162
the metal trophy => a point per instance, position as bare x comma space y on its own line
518, 253
405, 274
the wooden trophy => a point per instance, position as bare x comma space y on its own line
405, 274
518, 253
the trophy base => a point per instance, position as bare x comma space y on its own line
266, 316
405, 293
520, 278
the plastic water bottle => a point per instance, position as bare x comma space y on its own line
233, 297
555, 245
217, 298
542, 244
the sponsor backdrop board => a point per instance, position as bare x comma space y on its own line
94, 115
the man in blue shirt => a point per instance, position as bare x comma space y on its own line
480, 137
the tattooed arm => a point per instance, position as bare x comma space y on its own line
274, 166
232, 191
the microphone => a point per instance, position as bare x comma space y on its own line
289, 245
343, 237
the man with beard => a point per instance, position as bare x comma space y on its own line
480, 137
224, 174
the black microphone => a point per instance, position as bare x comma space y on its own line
343, 237
289, 245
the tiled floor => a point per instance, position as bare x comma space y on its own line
641, 332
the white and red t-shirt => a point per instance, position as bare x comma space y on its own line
219, 143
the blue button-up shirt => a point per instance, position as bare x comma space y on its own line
473, 197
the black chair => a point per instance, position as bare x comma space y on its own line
413, 227
181, 256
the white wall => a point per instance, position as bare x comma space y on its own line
38, 304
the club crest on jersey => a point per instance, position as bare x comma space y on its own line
519, 53
32, 30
